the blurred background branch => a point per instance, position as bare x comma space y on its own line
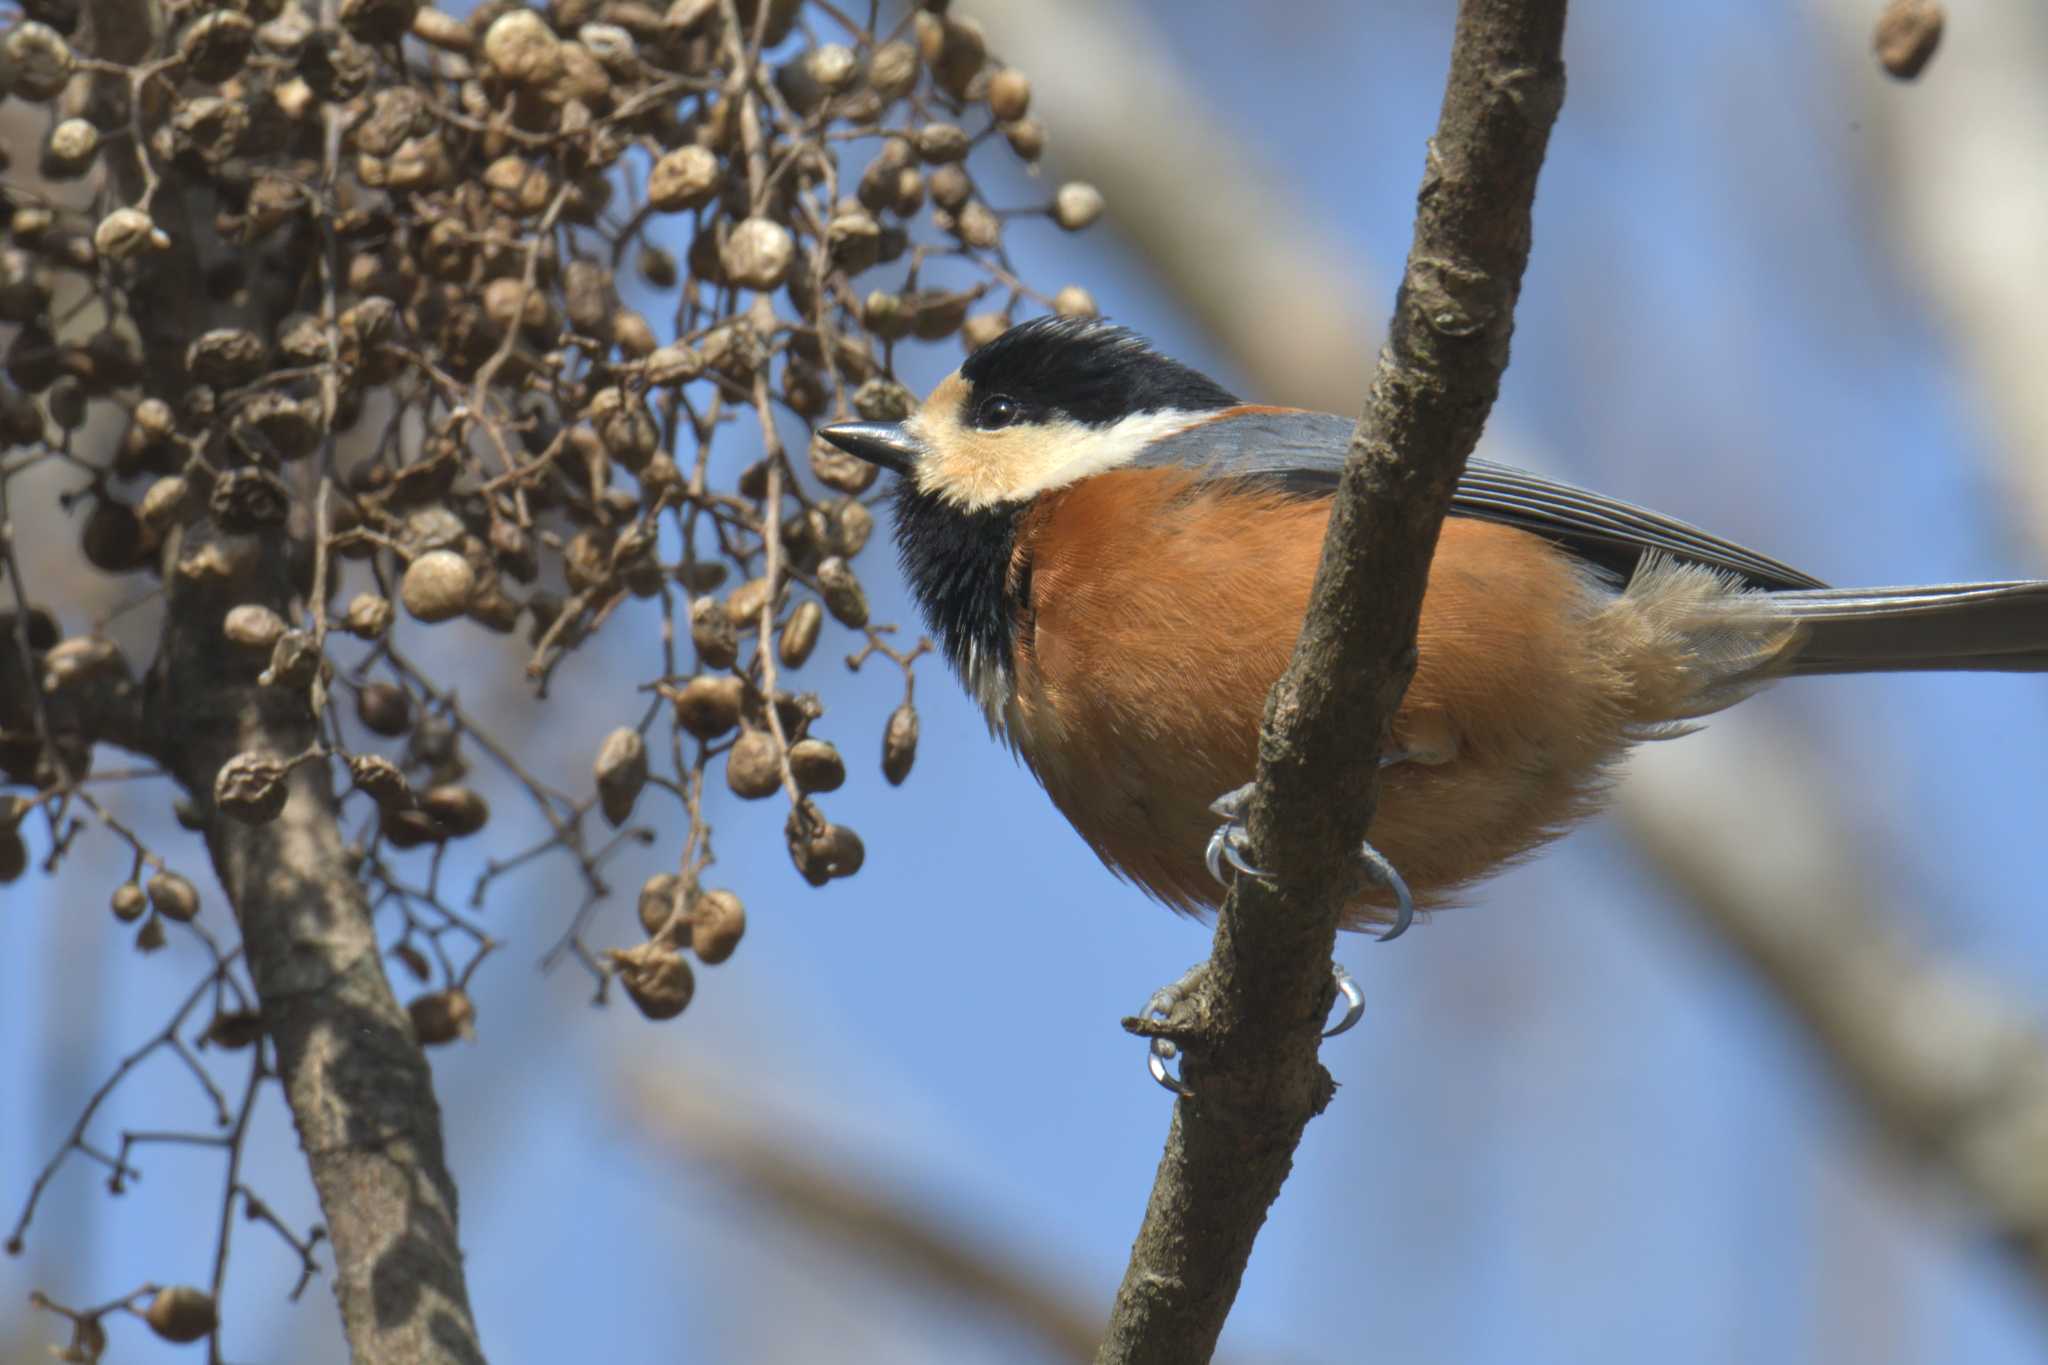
692, 1116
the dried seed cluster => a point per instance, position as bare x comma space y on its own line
503, 322
501, 319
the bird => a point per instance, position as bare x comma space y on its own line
1115, 552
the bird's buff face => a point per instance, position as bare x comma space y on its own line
949, 449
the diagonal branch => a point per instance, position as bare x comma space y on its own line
1257, 1011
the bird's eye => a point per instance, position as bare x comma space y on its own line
996, 412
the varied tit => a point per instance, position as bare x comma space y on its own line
1116, 553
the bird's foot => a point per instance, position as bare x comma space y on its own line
1159, 1010
1229, 844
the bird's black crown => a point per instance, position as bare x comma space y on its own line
1089, 370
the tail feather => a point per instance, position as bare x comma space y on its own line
1991, 627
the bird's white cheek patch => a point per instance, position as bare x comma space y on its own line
976, 469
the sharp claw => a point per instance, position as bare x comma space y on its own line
1157, 1066
1404, 903
1354, 1001
1162, 1050
1236, 860
1212, 857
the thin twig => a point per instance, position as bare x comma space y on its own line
1250, 1027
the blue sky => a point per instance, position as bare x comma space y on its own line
1572, 1127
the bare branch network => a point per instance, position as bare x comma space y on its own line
317, 328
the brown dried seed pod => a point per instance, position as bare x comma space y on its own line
939, 142
69, 148
683, 179
837, 469
855, 241
520, 48
978, 226
658, 901
248, 500
442, 1016
227, 357
252, 787
173, 897
633, 334
128, 902
379, 779
710, 706
621, 771
758, 254
458, 810
800, 634
38, 61
832, 66
1026, 137
656, 977
1077, 205
657, 266
885, 314
79, 659
413, 960
892, 71
982, 328
660, 481
849, 527
253, 626
883, 400
1074, 302
437, 585
753, 768
112, 538
713, 633
717, 922
899, 744
516, 186
233, 1030
294, 661
950, 186
384, 708
743, 605
182, 1314
844, 597
449, 32
587, 297
627, 427
1009, 95
420, 163
804, 537
954, 49
1908, 32
368, 616
215, 47
816, 765
821, 850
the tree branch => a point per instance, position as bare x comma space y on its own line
358, 1085
716, 1125
1250, 1026
1954, 1071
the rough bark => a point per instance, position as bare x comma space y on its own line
1250, 1027
359, 1088
358, 1085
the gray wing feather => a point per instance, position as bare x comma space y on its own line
1304, 451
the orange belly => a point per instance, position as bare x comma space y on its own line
1163, 610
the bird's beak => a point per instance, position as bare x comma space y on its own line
884, 443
